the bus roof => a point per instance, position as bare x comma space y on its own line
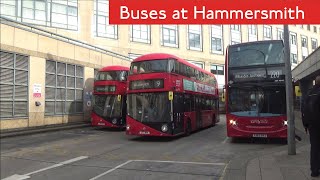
115, 68
155, 56
255, 42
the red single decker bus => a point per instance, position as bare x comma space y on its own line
168, 96
109, 97
255, 90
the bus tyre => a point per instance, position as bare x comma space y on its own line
213, 121
188, 129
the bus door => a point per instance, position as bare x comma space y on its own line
178, 113
198, 112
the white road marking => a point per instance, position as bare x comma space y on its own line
138, 160
181, 162
225, 140
109, 171
26, 176
16, 177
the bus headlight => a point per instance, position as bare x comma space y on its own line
128, 127
164, 128
285, 123
114, 121
233, 122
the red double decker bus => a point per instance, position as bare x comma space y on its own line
168, 96
255, 90
109, 97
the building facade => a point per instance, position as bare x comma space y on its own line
47, 72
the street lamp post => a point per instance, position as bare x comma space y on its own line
289, 93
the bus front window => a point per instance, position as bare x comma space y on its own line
149, 107
149, 66
257, 101
107, 106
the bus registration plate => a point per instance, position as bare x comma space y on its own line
260, 135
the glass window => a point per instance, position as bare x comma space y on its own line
64, 14
314, 43
64, 88
195, 37
217, 69
216, 39
170, 35
14, 85
267, 32
293, 58
149, 66
256, 54
197, 63
235, 27
8, 9
293, 39
279, 34
304, 42
235, 31
102, 28
140, 33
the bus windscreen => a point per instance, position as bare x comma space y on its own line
254, 102
149, 107
149, 66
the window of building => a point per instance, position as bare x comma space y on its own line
170, 35
102, 28
217, 69
64, 88
308, 27
14, 85
267, 32
279, 34
235, 31
304, 42
314, 43
315, 29
293, 39
34, 11
235, 27
253, 32
216, 39
195, 37
140, 33
8, 9
53, 13
293, 58
252, 29
64, 14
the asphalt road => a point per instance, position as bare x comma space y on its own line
94, 153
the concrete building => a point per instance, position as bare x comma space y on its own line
51, 49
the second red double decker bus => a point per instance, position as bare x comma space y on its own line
255, 90
109, 100
168, 96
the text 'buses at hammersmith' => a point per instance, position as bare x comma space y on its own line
109, 100
255, 90
168, 96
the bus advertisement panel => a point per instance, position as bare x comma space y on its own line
168, 96
109, 100
255, 90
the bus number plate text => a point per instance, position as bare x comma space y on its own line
260, 135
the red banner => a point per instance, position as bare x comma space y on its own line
214, 12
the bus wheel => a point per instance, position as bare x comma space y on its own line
213, 121
188, 128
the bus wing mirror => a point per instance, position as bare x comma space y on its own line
223, 94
